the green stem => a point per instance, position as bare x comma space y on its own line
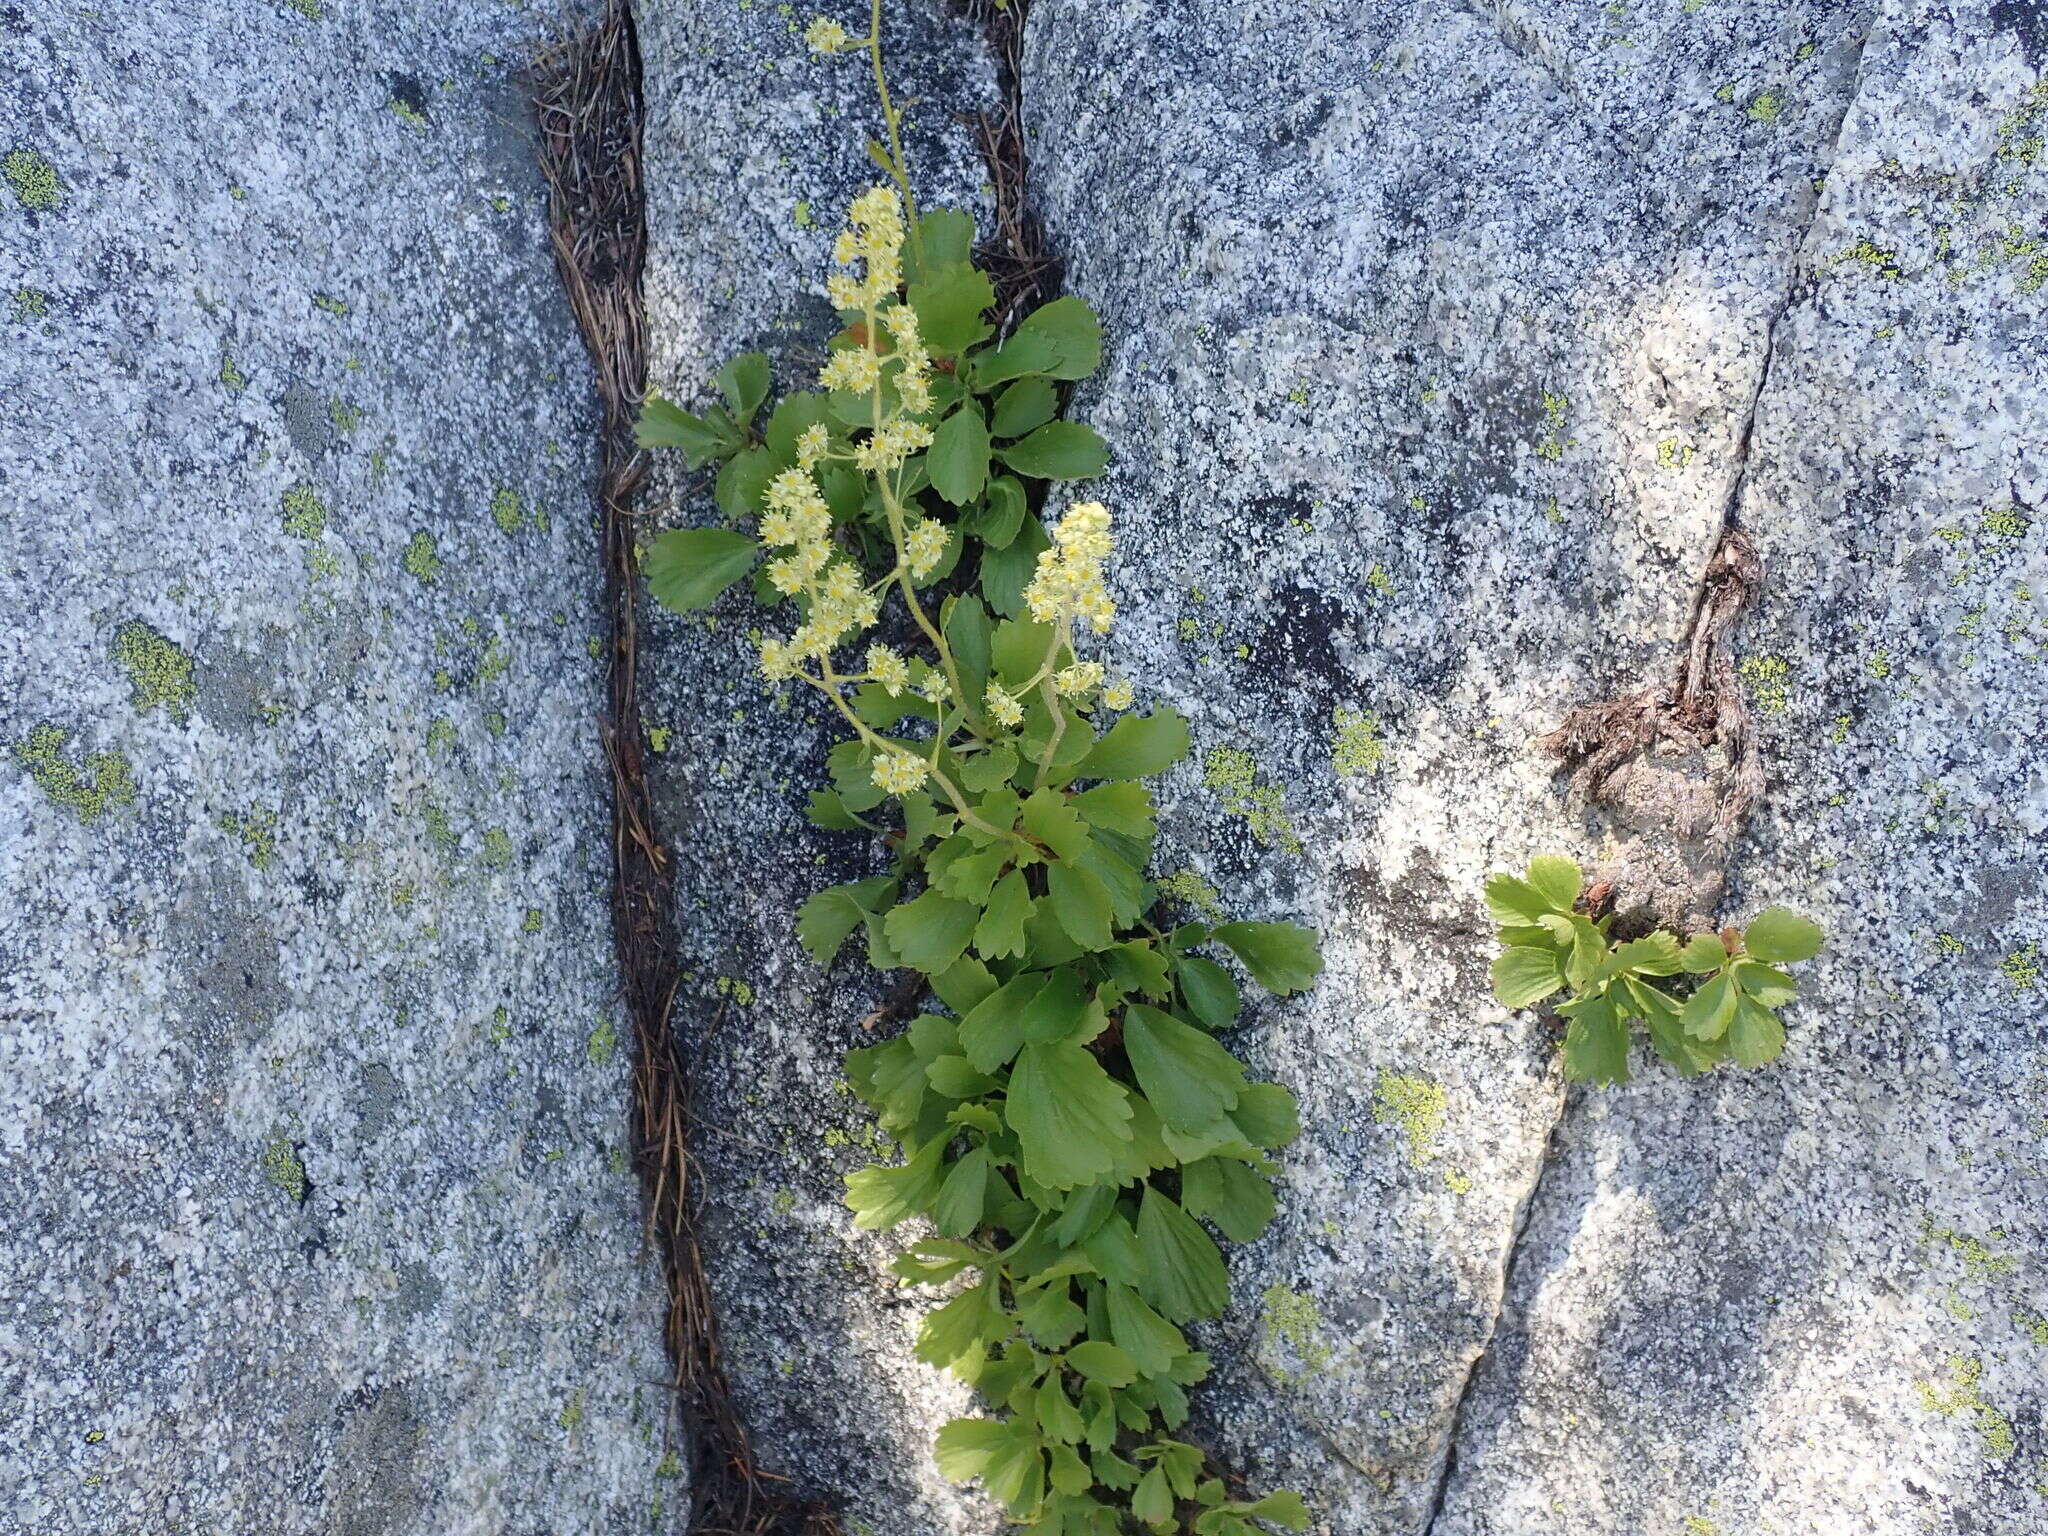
899, 168
828, 686
1052, 705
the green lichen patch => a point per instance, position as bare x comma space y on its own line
1766, 106
1359, 749
312, 10
1964, 1396
532, 922
572, 1415
158, 671
329, 304
305, 514
441, 733
440, 832
232, 379
2021, 968
30, 304
281, 1165
1414, 1104
1293, 1348
422, 560
739, 991
497, 852
507, 510
495, 662
107, 782
33, 179
603, 1043
1191, 890
256, 830
1233, 774
1767, 677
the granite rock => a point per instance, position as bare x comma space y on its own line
311, 1088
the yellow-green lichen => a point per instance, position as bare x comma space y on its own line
346, 417
572, 1415
408, 114
403, 895
1291, 1320
497, 848
1767, 106
495, 662
439, 830
30, 304
158, 671
329, 304
305, 514
1767, 677
33, 179
282, 1167
1674, 454
2021, 968
1416, 1105
603, 1042
1965, 1397
1359, 749
232, 379
657, 737
441, 733
1191, 890
1233, 774
507, 510
739, 991
532, 921
421, 559
256, 830
107, 783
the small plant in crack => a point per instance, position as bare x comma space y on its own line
1072, 1128
1550, 944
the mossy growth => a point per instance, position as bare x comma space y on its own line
1359, 749
305, 514
232, 379
281, 1165
532, 922
603, 1043
106, 784
30, 304
1414, 1104
440, 832
2021, 968
572, 1415
497, 852
158, 671
422, 560
1233, 774
256, 829
33, 179
1288, 1318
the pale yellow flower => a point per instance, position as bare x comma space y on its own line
812, 444
900, 773
1006, 709
1078, 678
1119, 695
924, 546
888, 669
851, 368
824, 35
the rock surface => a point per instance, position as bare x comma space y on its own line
1441, 344
310, 1099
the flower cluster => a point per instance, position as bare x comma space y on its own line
797, 519
1068, 582
824, 35
874, 235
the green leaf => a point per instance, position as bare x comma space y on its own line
1756, 1036
1153, 1502
882, 1197
1081, 903
825, 808
1661, 1013
1058, 1013
1523, 976
949, 306
1001, 513
1099, 1360
1006, 572
744, 383
1000, 933
1282, 957
959, 1325
1075, 332
958, 1078
1596, 1044
827, 919
1053, 1321
1059, 450
964, 984
1709, 1011
1556, 879
958, 1211
1282, 1508
945, 236
1190, 1079
1055, 823
687, 568
958, 457
966, 1446
930, 933
1026, 404
960, 868
1653, 955
1184, 1274
1512, 901
1138, 966
1705, 953
1070, 1116
1119, 806
743, 482
1766, 984
1026, 352
1778, 936
702, 439
1588, 952
993, 1029
1267, 1115
1234, 1195
1137, 747
1211, 992
1149, 1339
985, 770
1113, 1249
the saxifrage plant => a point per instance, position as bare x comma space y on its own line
1071, 1126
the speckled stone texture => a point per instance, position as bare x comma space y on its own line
1438, 335
1441, 343
754, 148
311, 1091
